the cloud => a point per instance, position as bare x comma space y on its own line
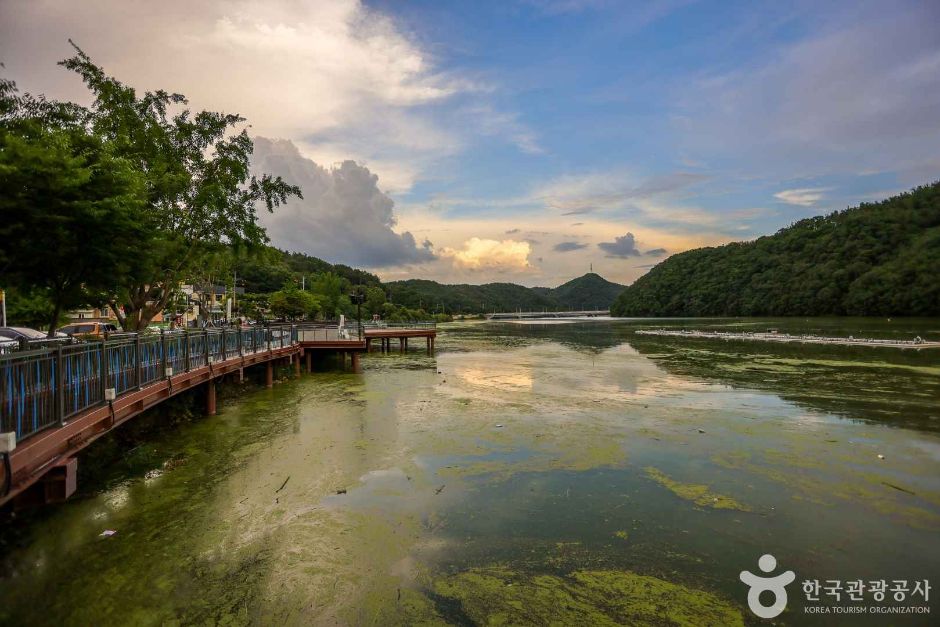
622, 247
805, 197
564, 247
491, 122
578, 195
656, 252
343, 217
489, 254
858, 94
512, 231
341, 79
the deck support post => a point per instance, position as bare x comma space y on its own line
429, 345
269, 375
210, 397
296, 360
356, 366
309, 356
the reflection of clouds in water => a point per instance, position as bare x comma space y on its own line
504, 375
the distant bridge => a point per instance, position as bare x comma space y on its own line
521, 315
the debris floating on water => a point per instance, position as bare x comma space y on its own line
341, 491
440, 489
880, 456
107, 533
282, 485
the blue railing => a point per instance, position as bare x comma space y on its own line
44, 387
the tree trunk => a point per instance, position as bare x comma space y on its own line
57, 309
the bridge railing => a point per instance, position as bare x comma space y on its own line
44, 387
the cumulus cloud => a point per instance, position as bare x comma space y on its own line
805, 197
656, 252
489, 254
622, 247
343, 217
564, 247
340, 78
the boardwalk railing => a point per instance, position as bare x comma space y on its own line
331, 332
44, 387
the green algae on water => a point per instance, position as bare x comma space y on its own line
697, 493
499, 596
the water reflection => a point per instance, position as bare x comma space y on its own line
546, 450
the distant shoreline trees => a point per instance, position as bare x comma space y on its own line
877, 259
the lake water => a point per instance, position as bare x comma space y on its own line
527, 473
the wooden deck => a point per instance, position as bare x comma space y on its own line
48, 456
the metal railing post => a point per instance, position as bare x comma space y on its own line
267, 333
186, 348
59, 386
163, 350
207, 351
139, 366
105, 367
241, 349
223, 343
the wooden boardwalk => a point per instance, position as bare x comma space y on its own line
56, 401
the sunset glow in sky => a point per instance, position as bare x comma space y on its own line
520, 140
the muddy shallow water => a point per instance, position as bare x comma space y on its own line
526, 473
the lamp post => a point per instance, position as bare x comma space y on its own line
358, 297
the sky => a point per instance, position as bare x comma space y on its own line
525, 140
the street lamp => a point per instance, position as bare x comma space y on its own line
358, 298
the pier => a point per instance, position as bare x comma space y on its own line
56, 400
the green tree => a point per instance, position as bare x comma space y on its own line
71, 210
293, 304
331, 288
198, 187
375, 300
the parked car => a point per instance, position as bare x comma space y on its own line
86, 330
24, 333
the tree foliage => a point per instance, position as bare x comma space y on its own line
198, 188
71, 209
293, 304
877, 259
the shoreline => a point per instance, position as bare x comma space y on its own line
787, 338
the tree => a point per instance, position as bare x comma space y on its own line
71, 210
375, 299
331, 289
292, 303
198, 188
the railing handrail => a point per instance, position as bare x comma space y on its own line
42, 387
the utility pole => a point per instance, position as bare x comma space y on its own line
3, 308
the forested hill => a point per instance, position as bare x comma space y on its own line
588, 291
591, 291
875, 259
464, 298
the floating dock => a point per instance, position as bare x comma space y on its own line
916, 343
